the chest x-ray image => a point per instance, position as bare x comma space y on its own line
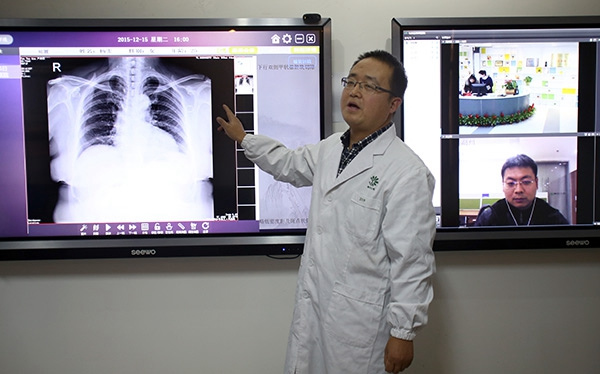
130, 140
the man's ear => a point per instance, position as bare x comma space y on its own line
395, 104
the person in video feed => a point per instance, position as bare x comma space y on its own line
487, 80
364, 283
520, 207
468, 88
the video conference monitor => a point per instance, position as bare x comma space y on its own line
543, 107
478, 89
109, 143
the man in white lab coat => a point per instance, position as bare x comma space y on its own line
364, 284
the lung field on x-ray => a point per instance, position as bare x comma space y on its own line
130, 140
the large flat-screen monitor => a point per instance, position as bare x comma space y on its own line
109, 144
543, 103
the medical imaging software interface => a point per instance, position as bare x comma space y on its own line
114, 133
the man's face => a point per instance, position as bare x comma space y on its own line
366, 112
520, 186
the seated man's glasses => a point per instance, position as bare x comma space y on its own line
513, 184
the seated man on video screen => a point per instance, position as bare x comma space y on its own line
520, 207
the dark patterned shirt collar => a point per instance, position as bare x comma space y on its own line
348, 154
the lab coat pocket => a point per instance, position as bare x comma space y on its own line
362, 221
353, 316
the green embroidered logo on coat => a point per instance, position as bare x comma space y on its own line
373, 182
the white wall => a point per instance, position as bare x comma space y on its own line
494, 312
199, 315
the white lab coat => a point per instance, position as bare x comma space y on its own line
367, 263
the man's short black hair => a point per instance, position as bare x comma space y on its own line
520, 161
482, 72
399, 79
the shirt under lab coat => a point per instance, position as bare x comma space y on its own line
366, 269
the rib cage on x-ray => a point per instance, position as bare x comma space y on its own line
131, 142
100, 110
164, 108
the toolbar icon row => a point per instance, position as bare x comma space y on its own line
297, 39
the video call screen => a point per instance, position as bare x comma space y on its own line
534, 91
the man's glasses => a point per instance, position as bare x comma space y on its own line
365, 87
513, 184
